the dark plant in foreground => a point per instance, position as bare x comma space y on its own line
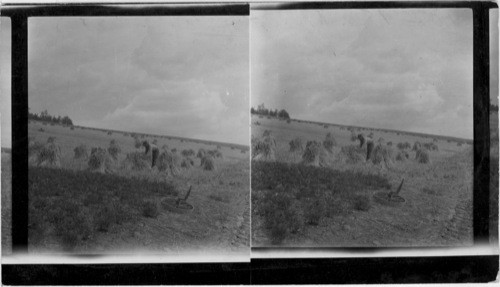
361, 203
281, 214
150, 209
314, 210
70, 206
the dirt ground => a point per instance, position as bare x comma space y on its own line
437, 211
219, 223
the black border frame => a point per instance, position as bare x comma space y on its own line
259, 271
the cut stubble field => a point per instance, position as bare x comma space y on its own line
332, 205
73, 209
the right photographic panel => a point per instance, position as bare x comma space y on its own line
362, 127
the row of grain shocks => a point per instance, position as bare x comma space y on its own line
105, 160
317, 153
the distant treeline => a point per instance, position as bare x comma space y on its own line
261, 110
45, 117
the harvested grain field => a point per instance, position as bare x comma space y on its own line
335, 204
120, 210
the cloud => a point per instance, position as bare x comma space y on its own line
184, 76
380, 68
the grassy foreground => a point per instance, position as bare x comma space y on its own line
69, 207
288, 195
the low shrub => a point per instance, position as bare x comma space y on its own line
281, 215
336, 204
110, 133
150, 209
220, 197
74, 229
104, 218
314, 210
361, 202
72, 224
428, 191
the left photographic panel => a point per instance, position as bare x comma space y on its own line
6, 133
138, 135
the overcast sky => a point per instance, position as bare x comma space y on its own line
5, 83
397, 69
181, 76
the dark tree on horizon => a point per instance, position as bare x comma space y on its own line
46, 117
262, 110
